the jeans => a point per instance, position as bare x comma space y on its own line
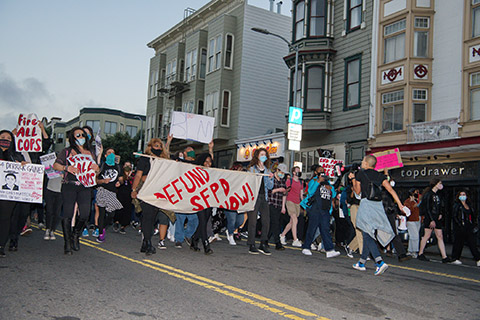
413, 236
234, 220
318, 219
182, 232
369, 247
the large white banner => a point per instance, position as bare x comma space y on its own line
186, 188
21, 183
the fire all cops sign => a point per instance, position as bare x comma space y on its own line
392, 75
28, 136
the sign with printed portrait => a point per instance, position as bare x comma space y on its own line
21, 183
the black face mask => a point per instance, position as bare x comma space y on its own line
157, 152
299, 174
4, 143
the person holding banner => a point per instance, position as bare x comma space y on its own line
260, 164
7, 153
73, 189
150, 214
277, 200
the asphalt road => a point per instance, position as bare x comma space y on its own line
114, 280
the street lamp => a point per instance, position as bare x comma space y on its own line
141, 133
295, 79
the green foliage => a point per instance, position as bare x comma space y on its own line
123, 145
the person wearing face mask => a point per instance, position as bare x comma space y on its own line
124, 191
277, 201
7, 153
260, 163
91, 142
150, 214
294, 188
413, 222
74, 192
106, 191
433, 209
464, 227
189, 155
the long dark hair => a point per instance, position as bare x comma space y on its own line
92, 138
432, 184
10, 152
72, 140
255, 158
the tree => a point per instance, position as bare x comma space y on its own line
123, 144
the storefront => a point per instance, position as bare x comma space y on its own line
456, 176
274, 143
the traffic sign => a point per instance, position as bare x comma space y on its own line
294, 145
294, 132
295, 115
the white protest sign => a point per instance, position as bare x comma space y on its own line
47, 161
84, 163
186, 188
98, 143
28, 137
191, 126
21, 183
329, 165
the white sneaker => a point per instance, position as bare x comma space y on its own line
478, 263
283, 240
52, 235
217, 236
297, 243
307, 252
47, 235
333, 254
313, 247
457, 262
212, 239
231, 240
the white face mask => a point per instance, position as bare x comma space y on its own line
392, 183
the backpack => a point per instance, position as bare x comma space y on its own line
374, 191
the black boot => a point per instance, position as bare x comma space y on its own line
194, 244
2, 252
13, 246
144, 246
263, 248
77, 232
206, 247
67, 235
150, 249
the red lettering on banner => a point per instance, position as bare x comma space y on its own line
168, 195
189, 189
160, 196
205, 197
244, 200
196, 177
250, 189
195, 204
215, 187
204, 174
178, 191
234, 204
225, 186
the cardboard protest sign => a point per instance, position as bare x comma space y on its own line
28, 137
185, 188
84, 163
21, 183
47, 161
329, 165
389, 159
191, 126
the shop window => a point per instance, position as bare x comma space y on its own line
352, 83
392, 107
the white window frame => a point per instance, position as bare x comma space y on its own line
419, 21
214, 53
191, 65
201, 64
211, 105
110, 127
218, 51
393, 100
228, 108
420, 94
474, 86
188, 106
392, 32
230, 62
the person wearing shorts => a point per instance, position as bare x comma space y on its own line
294, 197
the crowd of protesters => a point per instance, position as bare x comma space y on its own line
359, 213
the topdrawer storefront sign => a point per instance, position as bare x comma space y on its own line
467, 171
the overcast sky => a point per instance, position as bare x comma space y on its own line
57, 56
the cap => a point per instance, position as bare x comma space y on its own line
282, 167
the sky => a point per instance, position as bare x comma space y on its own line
58, 56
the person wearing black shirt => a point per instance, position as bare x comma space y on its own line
371, 218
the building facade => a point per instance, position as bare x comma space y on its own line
333, 86
427, 99
213, 64
108, 121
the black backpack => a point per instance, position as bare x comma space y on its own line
374, 191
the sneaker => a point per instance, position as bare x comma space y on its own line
404, 257
230, 239
122, 230
85, 233
283, 240
101, 238
447, 260
279, 247
52, 235
253, 250
422, 257
478, 263
313, 247
217, 236
116, 227
161, 245
349, 252
297, 243
41, 225
96, 232
412, 254
178, 245
263, 248
381, 268
25, 231
244, 234
307, 252
456, 262
47, 235
212, 239
333, 254
359, 266
155, 232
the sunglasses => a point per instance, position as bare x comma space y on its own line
78, 135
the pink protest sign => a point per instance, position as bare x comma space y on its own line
84, 163
389, 159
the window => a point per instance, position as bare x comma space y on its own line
94, 124
153, 84
131, 130
203, 63
419, 94
229, 51
395, 27
60, 137
121, 127
419, 112
476, 20
394, 41
110, 127
211, 105
317, 18
162, 78
299, 87
188, 106
352, 82
191, 65
354, 19
200, 107
226, 109
218, 51
420, 38
475, 96
214, 53
299, 20
422, 22
392, 104
211, 54
171, 72
314, 88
